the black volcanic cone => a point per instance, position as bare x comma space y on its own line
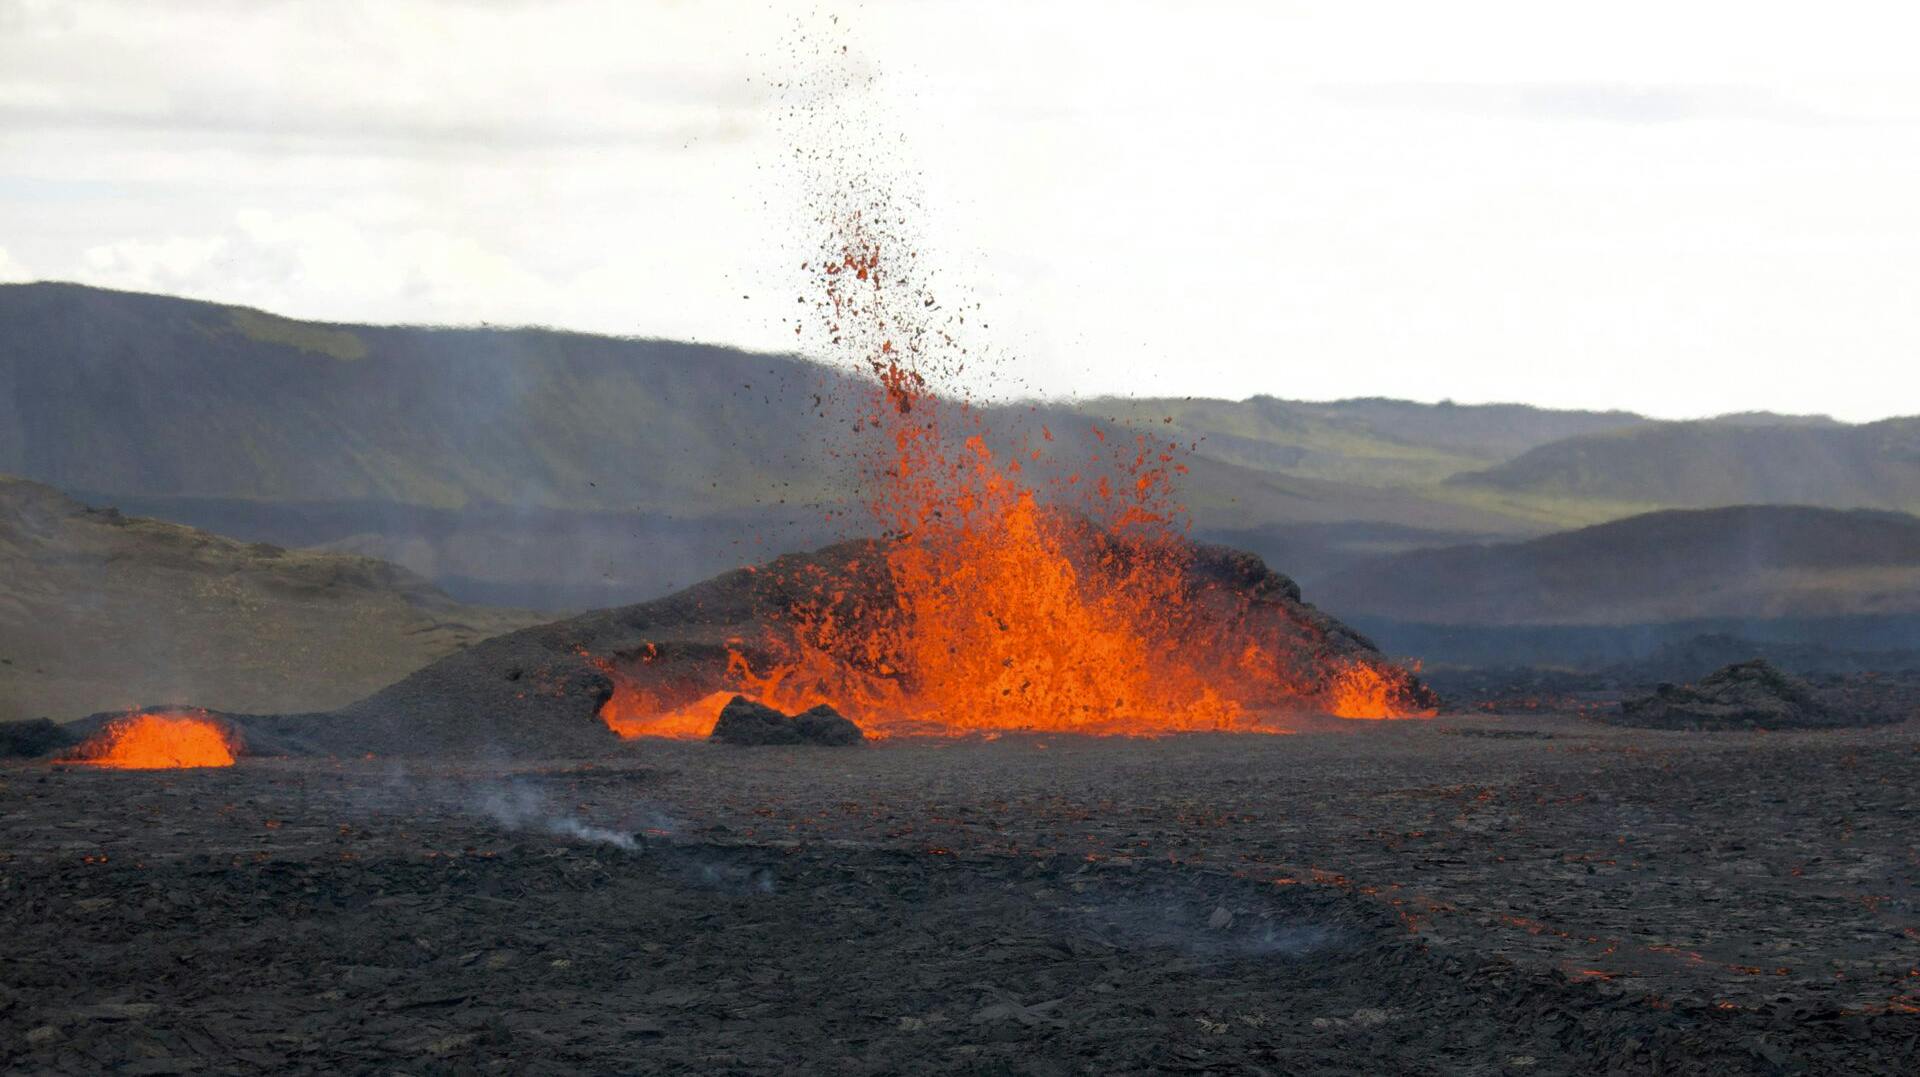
537, 692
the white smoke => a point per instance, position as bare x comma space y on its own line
522, 807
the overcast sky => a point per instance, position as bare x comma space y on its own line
1683, 207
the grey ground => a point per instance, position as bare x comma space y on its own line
1469, 895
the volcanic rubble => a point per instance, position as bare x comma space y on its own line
1745, 695
1850, 698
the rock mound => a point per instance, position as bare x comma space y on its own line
37, 737
745, 722
824, 725
537, 693
1745, 695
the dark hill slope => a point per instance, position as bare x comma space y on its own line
152, 396
101, 611
1716, 463
145, 395
1752, 561
542, 468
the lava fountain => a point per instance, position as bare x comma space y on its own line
150, 741
1015, 589
1023, 579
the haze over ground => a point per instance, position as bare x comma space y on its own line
1681, 211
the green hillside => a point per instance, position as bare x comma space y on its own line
152, 396
543, 468
1372, 442
1719, 462
156, 397
546, 468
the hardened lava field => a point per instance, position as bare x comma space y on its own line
1466, 895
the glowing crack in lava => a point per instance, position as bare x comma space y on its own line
157, 742
1010, 593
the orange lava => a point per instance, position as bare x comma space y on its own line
1027, 592
1017, 585
158, 742
634, 712
998, 604
1362, 691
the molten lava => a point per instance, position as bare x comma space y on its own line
1019, 587
1360, 691
632, 711
158, 742
999, 613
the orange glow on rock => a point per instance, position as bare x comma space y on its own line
634, 712
158, 742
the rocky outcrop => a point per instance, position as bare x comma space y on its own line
1745, 695
38, 737
747, 723
824, 725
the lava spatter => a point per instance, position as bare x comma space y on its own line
1015, 586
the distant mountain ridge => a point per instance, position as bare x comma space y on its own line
523, 466
535, 467
1370, 441
1722, 462
129, 393
149, 395
1750, 561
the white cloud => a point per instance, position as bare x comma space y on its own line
340, 264
1677, 208
329, 264
11, 271
173, 263
374, 73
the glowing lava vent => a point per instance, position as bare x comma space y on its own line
149, 741
1029, 577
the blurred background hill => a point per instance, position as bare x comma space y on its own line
102, 611
528, 468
